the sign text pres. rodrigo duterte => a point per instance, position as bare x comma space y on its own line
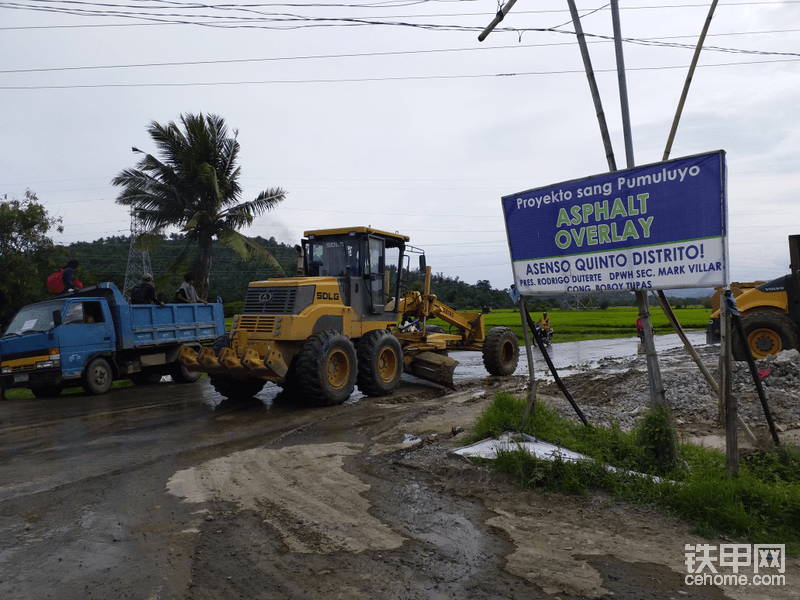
660, 226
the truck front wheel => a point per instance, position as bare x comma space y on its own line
500, 351
380, 363
765, 333
326, 368
98, 377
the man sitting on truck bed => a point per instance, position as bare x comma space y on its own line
145, 292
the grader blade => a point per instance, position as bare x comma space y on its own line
437, 368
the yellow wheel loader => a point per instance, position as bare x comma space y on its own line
769, 311
337, 324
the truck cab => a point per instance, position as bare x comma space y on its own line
47, 344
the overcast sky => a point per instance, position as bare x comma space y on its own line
392, 114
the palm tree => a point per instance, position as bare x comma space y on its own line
195, 186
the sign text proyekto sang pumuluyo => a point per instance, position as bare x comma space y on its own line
660, 226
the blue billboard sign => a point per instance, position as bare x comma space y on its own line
659, 226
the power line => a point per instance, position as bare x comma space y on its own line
373, 79
601, 39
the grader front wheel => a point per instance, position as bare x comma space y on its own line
380, 363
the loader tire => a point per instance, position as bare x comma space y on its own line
326, 369
380, 363
766, 332
500, 351
231, 387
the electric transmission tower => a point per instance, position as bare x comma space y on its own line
138, 260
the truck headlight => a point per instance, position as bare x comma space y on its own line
5, 370
45, 364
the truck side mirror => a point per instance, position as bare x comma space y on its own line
422, 265
56, 318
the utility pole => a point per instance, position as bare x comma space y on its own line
657, 395
138, 260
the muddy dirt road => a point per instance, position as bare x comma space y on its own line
169, 492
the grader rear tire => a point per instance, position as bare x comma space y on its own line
500, 351
380, 363
766, 333
326, 369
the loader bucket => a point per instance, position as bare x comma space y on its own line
437, 368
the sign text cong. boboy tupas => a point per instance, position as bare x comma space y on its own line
659, 226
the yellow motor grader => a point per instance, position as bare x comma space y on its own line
344, 320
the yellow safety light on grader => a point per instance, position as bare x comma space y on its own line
338, 324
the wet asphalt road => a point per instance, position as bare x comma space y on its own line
82, 499
81, 482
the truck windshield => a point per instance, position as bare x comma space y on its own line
34, 318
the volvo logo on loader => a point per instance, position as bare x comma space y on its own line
265, 297
327, 296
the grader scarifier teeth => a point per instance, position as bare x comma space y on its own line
188, 357
229, 360
434, 367
208, 359
253, 363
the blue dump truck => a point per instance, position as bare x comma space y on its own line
91, 337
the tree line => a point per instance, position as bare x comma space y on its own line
28, 256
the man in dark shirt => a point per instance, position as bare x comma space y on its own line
145, 292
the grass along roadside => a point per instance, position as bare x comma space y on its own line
760, 505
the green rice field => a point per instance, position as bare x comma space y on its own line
613, 322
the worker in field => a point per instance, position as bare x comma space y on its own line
544, 322
640, 329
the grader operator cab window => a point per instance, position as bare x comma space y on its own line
334, 257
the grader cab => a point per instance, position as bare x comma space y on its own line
345, 320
